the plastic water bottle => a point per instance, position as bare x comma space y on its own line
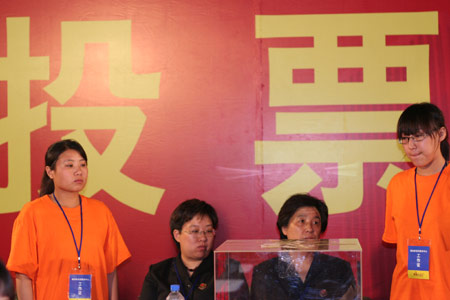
175, 293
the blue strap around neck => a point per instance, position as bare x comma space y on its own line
71, 230
420, 221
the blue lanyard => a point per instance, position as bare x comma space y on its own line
186, 296
73, 235
420, 221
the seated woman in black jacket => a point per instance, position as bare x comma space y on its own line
303, 275
193, 225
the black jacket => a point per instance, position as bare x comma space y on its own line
172, 271
328, 278
200, 286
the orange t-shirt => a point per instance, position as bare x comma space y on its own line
42, 246
401, 224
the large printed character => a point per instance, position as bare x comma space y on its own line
18, 68
331, 72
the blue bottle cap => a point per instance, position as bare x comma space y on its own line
174, 287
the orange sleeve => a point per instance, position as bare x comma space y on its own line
116, 250
23, 255
390, 231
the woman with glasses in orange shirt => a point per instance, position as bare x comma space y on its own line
418, 206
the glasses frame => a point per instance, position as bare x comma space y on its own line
415, 138
198, 233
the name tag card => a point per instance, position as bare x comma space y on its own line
419, 259
80, 286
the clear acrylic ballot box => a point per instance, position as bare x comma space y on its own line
288, 269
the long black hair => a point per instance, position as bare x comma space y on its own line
423, 117
51, 156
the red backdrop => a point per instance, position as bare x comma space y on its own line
195, 129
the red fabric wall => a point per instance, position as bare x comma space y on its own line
195, 133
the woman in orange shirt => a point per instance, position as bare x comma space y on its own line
418, 206
65, 245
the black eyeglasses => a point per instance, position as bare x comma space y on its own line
198, 233
414, 138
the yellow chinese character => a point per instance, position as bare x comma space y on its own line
325, 58
18, 68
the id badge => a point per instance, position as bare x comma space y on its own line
80, 285
419, 259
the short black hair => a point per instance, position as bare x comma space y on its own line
423, 117
298, 201
188, 210
6, 283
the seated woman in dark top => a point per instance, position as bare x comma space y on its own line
303, 275
193, 225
